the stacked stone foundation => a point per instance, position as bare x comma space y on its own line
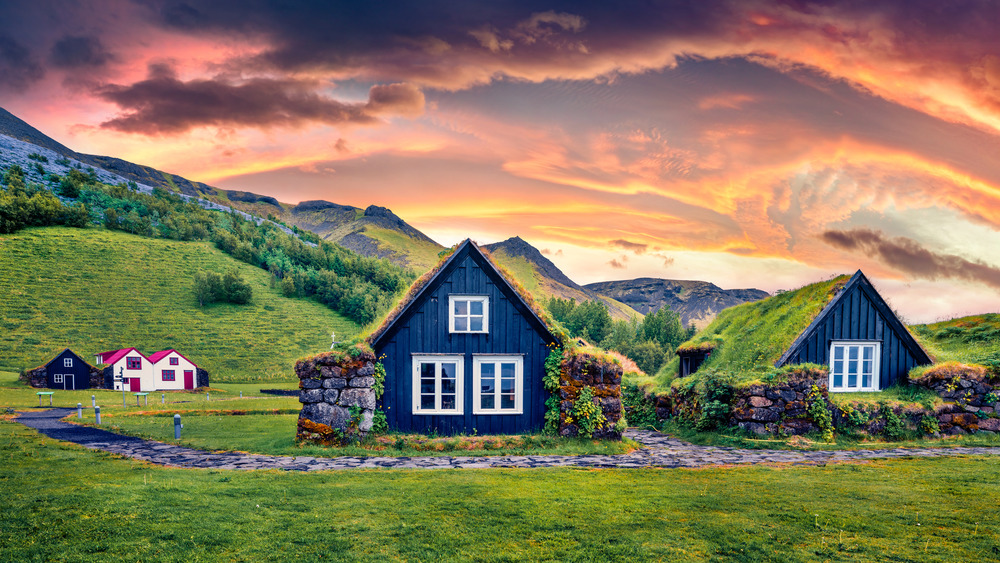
604, 376
329, 385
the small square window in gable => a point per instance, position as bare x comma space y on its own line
468, 314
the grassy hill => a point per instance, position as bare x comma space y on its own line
93, 290
974, 339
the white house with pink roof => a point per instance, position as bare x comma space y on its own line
132, 365
172, 371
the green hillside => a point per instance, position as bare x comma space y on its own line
974, 339
93, 290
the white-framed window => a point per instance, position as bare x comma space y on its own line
468, 313
67, 362
498, 384
854, 366
438, 384
57, 378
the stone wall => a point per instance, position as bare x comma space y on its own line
970, 398
331, 383
779, 408
604, 376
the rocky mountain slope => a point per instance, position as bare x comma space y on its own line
543, 278
694, 301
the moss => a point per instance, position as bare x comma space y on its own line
971, 340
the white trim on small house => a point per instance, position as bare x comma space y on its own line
67, 362
498, 384
438, 384
469, 314
854, 365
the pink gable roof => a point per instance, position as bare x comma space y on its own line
116, 355
157, 356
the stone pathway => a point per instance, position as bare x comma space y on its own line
660, 451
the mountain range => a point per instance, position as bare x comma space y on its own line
377, 231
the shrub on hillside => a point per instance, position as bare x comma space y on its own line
210, 287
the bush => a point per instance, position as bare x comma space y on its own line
639, 408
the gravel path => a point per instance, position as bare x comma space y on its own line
660, 451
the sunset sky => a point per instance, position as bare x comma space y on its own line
750, 144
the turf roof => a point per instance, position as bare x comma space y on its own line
750, 338
430, 279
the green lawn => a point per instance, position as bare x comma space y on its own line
274, 434
64, 503
93, 290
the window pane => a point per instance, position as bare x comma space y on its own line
507, 401
838, 373
447, 385
868, 351
487, 402
462, 324
461, 307
866, 380
487, 370
508, 370
447, 402
852, 373
506, 385
838, 352
852, 352
487, 386
476, 307
448, 371
427, 371
476, 324
427, 402
427, 386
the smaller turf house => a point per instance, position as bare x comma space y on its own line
842, 323
66, 370
464, 352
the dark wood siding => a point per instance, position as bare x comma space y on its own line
424, 330
80, 372
858, 314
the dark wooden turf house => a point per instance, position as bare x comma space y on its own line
464, 352
65, 371
855, 333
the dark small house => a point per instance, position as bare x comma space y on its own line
65, 371
862, 340
464, 352
841, 323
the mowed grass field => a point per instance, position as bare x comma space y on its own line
94, 290
64, 503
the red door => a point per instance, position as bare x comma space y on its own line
188, 379
135, 384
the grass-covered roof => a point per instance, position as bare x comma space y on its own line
429, 278
747, 340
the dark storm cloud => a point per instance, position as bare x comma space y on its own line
908, 256
18, 69
164, 104
79, 52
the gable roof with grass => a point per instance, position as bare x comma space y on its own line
431, 280
801, 326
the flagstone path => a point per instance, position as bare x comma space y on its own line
660, 451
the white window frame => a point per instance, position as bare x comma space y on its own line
67, 362
459, 361
484, 299
57, 378
876, 365
477, 372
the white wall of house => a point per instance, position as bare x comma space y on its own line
144, 372
182, 365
